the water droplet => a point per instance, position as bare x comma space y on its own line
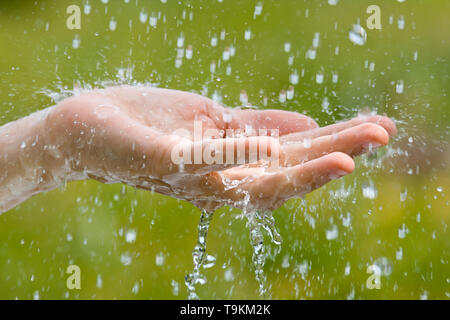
214, 41
99, 283
399, 87
153, 21
282, 96
180, 41
384, 265
311, 54
76, 42
369, 191
316, 40
126, 259
287, 47
332, 233
258, 10
402, 232
189, 52
175, 287
112, 24
401, 22
228, 275
226, 54
293, 78
358, 35
307, 143
319, 78
248, 34
399, 254
159, 259
87, 9
143, 17
290, 93
130, 236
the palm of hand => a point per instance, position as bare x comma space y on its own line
127, 134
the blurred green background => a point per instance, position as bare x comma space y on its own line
392, 212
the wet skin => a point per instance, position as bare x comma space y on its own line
127, 134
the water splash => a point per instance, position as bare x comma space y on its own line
199, 256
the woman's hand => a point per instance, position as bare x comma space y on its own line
133, 135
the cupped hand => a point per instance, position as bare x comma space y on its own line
128, 134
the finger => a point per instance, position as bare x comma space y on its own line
352, 141
270, 190
218, 154
284, 121
382, 121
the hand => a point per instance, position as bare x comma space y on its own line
126, 134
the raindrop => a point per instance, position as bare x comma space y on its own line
126, 259
399, 87
334, 77
293, 78
243, 98
384, 265
99, 283
130, 236
369, 191
290, 93
282, 96
228, 275
153, 21
401, 22
399, 254
226, 54
311, 54
87, 9
402, 232
76, 42
214, 41
316, 40
319, 77
175, 288
258, 10
287, 47
159, 259
358, 35
180, 41
332, 233
143, 17
248, 34
112, 24
189, 52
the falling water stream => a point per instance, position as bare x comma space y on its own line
199, 255
257, 223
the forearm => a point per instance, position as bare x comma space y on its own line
29, 163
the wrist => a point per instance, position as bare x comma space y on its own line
26, 166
